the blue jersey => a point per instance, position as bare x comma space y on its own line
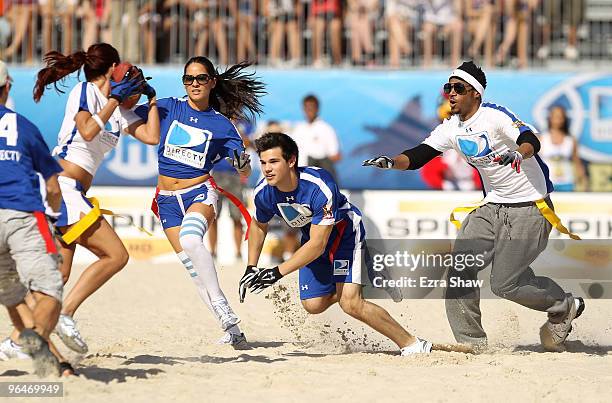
316, 200
191, 141
23, 155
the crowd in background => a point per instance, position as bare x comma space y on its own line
319, 33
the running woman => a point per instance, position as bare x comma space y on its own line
196, 133
512, 225
93, 121
333, 235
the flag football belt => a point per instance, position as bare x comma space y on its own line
546, 211
235, 200
77, 229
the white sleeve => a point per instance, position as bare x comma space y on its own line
439, 139
88, 101
128, 117
509, 124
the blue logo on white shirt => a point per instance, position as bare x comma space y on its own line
182, 135
475, 147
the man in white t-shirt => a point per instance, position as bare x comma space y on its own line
509, 229
316, 139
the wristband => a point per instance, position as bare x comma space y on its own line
98, 120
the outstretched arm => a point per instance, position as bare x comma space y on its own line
413, 158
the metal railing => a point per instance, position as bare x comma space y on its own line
319, 33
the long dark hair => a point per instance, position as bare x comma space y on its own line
566, 122
237, 93
95, 62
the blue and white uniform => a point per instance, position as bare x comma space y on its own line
491, 132
26, 243
317, 200
71, 146
191, 143
24, 157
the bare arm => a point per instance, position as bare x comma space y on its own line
526, 150
257, 236
147, 133
54, 195
319, 235
86, 125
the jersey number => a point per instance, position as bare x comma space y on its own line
8, 128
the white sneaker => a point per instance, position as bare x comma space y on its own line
9, 350
418, 347
571, 53
225, 314
67, 331
553, 335
238, 341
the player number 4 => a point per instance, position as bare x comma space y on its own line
8, 128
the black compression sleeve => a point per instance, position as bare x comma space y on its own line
529, 137
420, 155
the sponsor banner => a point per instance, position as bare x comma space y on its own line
425, 214
374, 112
387, 215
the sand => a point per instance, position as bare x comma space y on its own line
151, 339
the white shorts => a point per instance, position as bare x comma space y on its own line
74, 202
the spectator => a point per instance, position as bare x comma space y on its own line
124, 28
360, 16
400, 16
516, 17
316, 139
282, 16
559, 150
210, 16
570, 13
21, 13
445, 14
150, 24
244, 16
480, 24
325, 16
86, 11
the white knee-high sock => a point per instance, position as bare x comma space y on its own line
191, 236
197, 280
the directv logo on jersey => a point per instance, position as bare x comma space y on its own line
477, 149
181, 138
295, 215
341, 267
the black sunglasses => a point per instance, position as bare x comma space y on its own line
459, 88
202, 79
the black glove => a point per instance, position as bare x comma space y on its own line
147, 90
514, 158
382, 162
247, 279
265, 278
127, 87
239, 160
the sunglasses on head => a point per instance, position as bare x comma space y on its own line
202, 79
459, 88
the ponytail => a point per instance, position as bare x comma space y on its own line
95, 62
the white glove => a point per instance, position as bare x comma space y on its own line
382, 162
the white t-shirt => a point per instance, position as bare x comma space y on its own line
317, 140
558, 157
71, 146
491, 132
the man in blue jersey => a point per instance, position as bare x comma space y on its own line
512, 225
28, 254
329, 260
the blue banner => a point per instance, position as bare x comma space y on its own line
373, 112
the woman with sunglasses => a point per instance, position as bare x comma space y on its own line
97, 111
196, 132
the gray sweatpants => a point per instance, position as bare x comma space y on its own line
25, 262
511, 238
